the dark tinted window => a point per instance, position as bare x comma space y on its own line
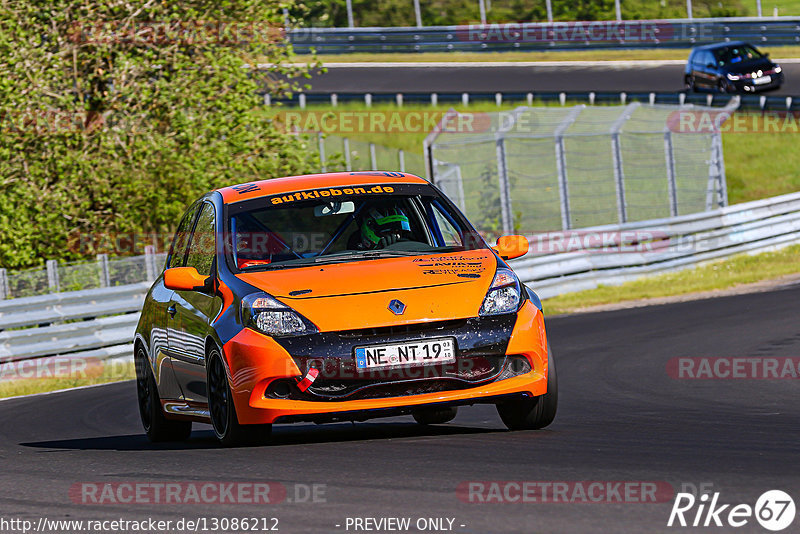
408, 220
179, 242
737, 54
202, 248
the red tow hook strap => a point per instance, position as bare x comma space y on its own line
306, 382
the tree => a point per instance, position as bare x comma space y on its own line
116, 114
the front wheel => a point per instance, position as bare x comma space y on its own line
157, 427
533, 413
688, 82
722, 87
223, 412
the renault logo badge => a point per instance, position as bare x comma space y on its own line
397, 307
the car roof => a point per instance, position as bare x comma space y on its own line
290, 184
714, 46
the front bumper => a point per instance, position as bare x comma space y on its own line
257, 361
746, 85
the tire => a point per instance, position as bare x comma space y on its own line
435, 416
722, 87
157, 427
535, 413
223, 412
688, 82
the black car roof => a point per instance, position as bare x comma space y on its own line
714, 46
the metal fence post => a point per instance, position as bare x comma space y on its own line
616, 153
321, 143
717, 185
149, 262
561, 165
348, 163
401, 159
672, 187
503, 183
430, 139
349, 7
105, 275
619, 178
4, 291
52, 276
373, 160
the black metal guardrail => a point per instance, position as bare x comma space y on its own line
510, 36
748, 102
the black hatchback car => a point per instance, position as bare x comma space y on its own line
732, 67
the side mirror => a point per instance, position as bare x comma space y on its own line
185, 279
511, 246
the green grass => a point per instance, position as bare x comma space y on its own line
758, 165
738, 270
549, 55
786, 8
97, 373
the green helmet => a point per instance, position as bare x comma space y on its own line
377, 224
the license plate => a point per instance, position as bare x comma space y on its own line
426, 352
762, 80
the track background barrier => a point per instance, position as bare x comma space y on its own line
99, 323
579, 35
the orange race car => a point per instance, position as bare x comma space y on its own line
331, 297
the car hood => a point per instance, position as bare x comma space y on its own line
750, 66
356, 295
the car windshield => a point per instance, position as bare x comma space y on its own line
334, 225
736, 54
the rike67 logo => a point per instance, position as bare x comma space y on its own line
774, 510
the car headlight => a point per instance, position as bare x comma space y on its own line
732, 77
504, 295
778, 69
272, 317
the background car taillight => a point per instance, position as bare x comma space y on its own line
504, 295
266, 314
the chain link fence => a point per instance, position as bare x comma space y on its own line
74, 276
558, 168
345, 154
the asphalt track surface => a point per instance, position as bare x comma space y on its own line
621, 418
598, 77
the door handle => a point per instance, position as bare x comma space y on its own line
172, 310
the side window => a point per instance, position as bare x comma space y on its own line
181, 239
202, 248
450, 235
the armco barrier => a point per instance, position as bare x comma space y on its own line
656, 246
99, 323
511, 36
764, 102
89, 324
